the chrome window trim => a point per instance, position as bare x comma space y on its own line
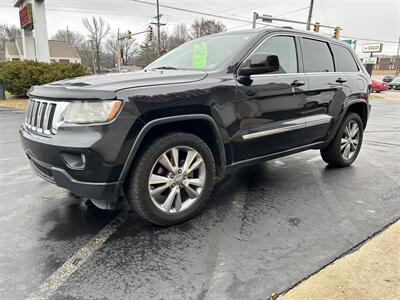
297, 52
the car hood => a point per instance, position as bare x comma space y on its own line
105, 86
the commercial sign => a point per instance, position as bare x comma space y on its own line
370, 60
375, 47
25, 16
350, 42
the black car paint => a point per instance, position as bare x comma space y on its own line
232, 107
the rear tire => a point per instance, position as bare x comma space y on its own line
182, 167
346, 145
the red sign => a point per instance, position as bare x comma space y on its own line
25, 16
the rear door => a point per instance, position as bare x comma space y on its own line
326, 88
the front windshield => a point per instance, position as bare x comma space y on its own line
205, 53
397, 79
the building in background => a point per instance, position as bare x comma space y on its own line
59, 51
388, 63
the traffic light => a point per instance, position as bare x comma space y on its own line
129, 35
337, 32
150, 35
316, 27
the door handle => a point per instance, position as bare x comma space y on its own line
297, 83
341, 80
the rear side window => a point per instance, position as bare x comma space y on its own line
344, 61
317, 56
285, 48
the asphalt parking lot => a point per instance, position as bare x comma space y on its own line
266, 228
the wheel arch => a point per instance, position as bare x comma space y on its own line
200, 124
359, 107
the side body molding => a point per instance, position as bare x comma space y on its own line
165, 120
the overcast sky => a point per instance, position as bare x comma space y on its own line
372, 19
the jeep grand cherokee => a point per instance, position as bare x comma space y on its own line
162, 136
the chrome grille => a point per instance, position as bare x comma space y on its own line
40, 116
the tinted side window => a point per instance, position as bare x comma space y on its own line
317, 56
344, 61
285, 48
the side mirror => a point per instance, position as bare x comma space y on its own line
260, 63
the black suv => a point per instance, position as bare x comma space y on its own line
161, 137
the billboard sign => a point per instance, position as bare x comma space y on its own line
25, 16
373, 47
370, 60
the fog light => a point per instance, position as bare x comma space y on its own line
74, 161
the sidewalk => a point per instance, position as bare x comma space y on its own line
371, 272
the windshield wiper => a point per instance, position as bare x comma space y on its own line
165, 68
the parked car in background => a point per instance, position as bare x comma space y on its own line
395, 84
379, 86
162, 136
388, 78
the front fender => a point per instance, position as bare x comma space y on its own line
171, 119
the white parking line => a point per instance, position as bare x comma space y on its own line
51, 284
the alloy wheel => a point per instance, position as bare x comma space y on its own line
177, 179
350, 140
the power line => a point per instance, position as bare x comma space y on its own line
199, 12
290, 12
222, 17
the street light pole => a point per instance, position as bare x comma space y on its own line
310, 10
396, 60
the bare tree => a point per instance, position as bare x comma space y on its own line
205, 27
9, 32
178, 36
73, 38
128, 46
98, 28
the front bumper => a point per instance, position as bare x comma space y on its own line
99, 178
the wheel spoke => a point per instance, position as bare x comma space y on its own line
354, 130
178, 201
175, 157
192, 193
195, 181
157, 179
195, 165
191, 155
170, 199
160, 189
164, 160
347, 130
347, 151
343, 146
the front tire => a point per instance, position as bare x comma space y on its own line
172, 179
346, 145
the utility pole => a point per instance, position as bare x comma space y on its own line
158, 29
310, 10
397, 59
158, 24
118, 53
68, 40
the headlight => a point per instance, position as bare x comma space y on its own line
91, 111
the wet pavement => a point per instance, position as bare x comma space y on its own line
265, 229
